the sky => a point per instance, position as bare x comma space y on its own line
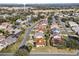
38, 1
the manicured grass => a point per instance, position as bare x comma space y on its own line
50, 49
12, 48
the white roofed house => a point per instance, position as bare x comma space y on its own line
76, 14
29, 17
73, 24
76, 30
18, 21
35, 16
21, 23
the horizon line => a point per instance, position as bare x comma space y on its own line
39, 3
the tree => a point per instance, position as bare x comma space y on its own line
47, 35
6, 33
1, 31
2, 20
23, 51
72, 43
49, 20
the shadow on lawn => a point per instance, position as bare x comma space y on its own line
23, 51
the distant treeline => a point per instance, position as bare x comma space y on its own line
61, 5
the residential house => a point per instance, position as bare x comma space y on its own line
39, 39
55, 31
18, 21
76, 30
55, 34
40, 42
29, 17
44, 22
6, 26
2, 38
72, 24
54, 25
57, 39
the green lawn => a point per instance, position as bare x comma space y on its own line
50, 49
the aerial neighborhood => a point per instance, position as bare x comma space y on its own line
36, 30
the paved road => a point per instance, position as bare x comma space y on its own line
27, 32
54, 20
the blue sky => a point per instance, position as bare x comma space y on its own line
39, 1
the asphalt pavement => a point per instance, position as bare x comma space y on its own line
27, 32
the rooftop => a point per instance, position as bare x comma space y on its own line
71, 23
39, 35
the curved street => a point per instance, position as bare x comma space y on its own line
27, 32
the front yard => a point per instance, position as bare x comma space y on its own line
52, 50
